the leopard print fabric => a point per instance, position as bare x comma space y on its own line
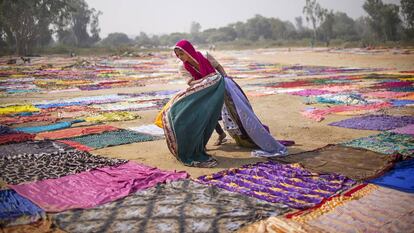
17, 169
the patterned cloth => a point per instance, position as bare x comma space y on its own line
180, 206
95, 187
5, 130
400, 178
375, 122
409, 129
112, 138
384, 210
75, 132
385, 143
358, 164
13, 206
288, 184
43, 128
32, 147
31, 167
15, 137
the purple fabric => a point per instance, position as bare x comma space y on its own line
409, 129
288, 184
254, 128
375, 122
309, 92
95, 187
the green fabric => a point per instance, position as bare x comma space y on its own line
385, 143
193, 119
112, 138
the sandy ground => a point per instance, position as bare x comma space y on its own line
280, 112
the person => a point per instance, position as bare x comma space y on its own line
191, 116
181, 54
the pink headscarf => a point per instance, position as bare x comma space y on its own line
205, 67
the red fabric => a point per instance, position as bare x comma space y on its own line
23, 119
16, 137
74, 132
76, 145
204, 65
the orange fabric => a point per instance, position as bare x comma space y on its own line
42, 226
76, 145
74, 132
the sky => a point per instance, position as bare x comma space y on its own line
156, 17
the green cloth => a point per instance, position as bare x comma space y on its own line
192, 120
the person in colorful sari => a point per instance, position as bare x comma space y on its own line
191, 116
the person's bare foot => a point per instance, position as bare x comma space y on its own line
221, 139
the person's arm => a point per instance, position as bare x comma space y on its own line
216, 64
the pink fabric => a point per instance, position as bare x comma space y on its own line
205, 67
309, 92
409, 129
96, 187
319, 114
385, 94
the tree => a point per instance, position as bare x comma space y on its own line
327, 27
195, 28
315, 14
258, 27
407, 11
116, 39
383, 19
299, 23
344, 27
27, 21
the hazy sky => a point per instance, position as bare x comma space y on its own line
166, 16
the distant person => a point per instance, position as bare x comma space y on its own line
191, 116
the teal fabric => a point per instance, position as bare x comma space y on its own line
112, 138
44, 128
193, 119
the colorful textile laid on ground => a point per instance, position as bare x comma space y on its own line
288, 184
152, 129
43, 128
188, 123
401, 177
42, 226
179, 206
6, 130
383, 210
16, 137
112, 116
17, 109
15, 209
409, 129
250, 131
279, 224
17, 169
32, 147
375, 122
111, 138
75, 132
95, 187
385, 143
358, 164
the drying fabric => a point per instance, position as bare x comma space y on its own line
310, 92
17, 109
385, 143
348, 99
402, 103
6, 130
279, 225
112, 138
124, 106
42, 226
319, 114
16, 137
287, 184
401, 177
149, 129
384, 210
385, 94
43, 128
96, 187
112, 116
375, 122
31, 167
23, 119
76, 145
402, 89
32, 147
177, 206
75, 132
14, 207
409, 129
358, 164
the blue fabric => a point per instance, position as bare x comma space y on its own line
55, 105
400, 178
12, 205
5, 130
43, 128
401, 103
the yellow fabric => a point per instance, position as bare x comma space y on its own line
112, 116
18, 109
279, 225
158, 118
